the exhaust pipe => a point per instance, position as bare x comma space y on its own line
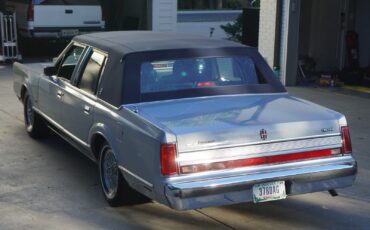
333, 192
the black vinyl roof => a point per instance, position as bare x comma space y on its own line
124, 42
120, 85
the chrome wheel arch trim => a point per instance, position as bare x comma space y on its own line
107, 134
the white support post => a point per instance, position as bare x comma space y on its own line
289, 41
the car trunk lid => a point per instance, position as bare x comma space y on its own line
232, 121
229, 132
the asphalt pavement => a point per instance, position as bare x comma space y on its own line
48, 184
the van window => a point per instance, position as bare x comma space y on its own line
211, 4
65, 2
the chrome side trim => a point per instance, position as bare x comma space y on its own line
136, 176
79, 141
261, 150
70, 141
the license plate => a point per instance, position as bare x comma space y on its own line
269, 191
69, 33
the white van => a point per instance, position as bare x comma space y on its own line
56, 18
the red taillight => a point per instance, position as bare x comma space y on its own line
30, 12
168, 160
346, 141
206, 84
260, 161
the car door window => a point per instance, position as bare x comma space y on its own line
90, 76
69, 62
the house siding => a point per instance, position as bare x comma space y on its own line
203, 22
164, 15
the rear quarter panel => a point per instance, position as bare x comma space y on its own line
136, 143
28, 77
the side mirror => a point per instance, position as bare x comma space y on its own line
50, 70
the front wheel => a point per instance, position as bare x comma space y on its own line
115, 188
34, 123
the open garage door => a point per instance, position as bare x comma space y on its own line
334, 38
324, 26
322, 33
127, 14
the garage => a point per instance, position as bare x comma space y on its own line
127, 15
320, 42
334, 40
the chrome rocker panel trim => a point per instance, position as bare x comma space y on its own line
80, 145
76, 139
126, 171
340, 173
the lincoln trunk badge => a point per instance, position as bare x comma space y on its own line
263, 134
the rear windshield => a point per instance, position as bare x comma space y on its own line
188, 73
193, 73
66, 2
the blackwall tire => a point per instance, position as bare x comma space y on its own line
35, 125
116, 190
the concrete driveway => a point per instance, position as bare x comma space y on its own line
48, 185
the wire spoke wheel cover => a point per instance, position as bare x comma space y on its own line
109, 173
29, 113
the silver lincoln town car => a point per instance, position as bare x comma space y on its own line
186, 121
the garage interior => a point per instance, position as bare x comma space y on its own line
334, 42
127, 14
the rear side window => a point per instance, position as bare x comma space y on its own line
65, 2
172, 75
91, 73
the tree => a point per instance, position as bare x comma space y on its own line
234, 30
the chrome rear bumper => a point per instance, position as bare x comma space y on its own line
299, 177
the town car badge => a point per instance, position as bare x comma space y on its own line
263, 134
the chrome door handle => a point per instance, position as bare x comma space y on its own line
87, 109
60, 94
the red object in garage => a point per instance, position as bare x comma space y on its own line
352, 49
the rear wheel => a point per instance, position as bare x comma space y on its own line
34, 123
115, 188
